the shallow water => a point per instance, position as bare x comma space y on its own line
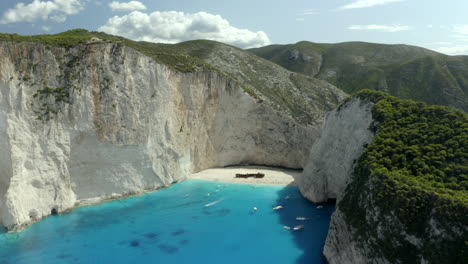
174, 225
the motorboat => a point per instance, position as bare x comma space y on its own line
299, 227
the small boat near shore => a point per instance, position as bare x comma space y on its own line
299, 227
278, 207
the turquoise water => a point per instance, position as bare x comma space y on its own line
174, 225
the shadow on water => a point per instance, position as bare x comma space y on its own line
311, 238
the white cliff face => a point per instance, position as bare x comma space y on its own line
124, 124
341, 248
344, 135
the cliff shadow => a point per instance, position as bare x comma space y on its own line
315, 219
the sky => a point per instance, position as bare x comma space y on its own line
434, 24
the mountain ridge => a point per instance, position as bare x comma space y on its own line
405, 71
257, 76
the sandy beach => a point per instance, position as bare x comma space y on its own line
273, 176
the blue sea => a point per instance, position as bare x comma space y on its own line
194, 221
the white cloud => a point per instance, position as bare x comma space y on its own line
305, 12
381, 28
308, 12
173, 27
460, 32
458, 44
368, 3
56, 10
58, 18
45, 28
127, 6
460, 29
453, 50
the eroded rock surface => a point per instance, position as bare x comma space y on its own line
100, 121
345, 133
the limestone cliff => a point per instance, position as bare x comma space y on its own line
100, 121
344, 135
399, 200
329, 167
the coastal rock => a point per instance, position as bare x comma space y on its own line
328, 170
344, 135
101, 121
340, 246
375, 220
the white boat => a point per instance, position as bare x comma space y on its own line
320, 207
299, 227
277, 207
301, 218
286, 227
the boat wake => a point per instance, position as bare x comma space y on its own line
213, 203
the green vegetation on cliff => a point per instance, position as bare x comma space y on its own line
305, 98
412, 181
170, 57
404, 71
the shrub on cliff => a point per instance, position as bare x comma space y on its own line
409, 196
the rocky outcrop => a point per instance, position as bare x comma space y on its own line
386, 212
340, 246
344, 135
328, 170
100, 121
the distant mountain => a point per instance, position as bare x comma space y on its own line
404, 71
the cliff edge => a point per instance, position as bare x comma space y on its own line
402, 192
344, 134
99, 121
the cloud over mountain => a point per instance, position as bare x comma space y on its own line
127, 6
368, 3
56, 10
173, 26
381, 28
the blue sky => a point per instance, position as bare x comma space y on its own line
434, 24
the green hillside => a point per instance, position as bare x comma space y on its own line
307, 99
413, 176
68, 39
407, 72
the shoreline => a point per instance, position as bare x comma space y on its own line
273, 176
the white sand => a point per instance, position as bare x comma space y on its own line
274, 176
